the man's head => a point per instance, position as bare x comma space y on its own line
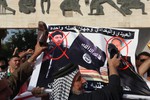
14, 62
56, 37
117, 42
3, 64
63, 82
142, 57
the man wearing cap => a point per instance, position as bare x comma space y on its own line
68, 84
54, 58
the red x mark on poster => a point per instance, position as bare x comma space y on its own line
57, 45
127, 48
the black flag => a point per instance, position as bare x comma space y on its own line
86, 54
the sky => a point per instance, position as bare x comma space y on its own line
10, 33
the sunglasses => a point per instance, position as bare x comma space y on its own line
3, 66
142, 60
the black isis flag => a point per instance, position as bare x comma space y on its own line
83, 52
132, 82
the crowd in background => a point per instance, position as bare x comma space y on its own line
15, 62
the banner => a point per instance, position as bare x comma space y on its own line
88, 47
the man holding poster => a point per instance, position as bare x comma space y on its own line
89, 48
127, 72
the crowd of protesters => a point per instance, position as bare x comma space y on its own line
68, 82
11, 85
18, 73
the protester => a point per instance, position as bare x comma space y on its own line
144, 67
14, 63
23, 57
11, 86
68, 84
144, 64
143, 56
24, 54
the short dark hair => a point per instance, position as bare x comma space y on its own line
14, 56
143, 53
68, 68
57, 32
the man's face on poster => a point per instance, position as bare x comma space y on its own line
117, 43
57, 39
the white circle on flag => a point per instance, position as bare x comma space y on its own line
86, 57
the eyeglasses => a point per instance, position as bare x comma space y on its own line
3, 66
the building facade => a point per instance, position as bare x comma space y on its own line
95, 13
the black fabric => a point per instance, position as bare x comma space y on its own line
125, 62
14, 56
89, 86
112, 50
83, 52
130, 80
65, 70
113, 91
133, 83
57, 33
55, 66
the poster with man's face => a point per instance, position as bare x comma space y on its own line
88, 47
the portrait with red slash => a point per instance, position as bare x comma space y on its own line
54, 57
126, 69
89, 47
121, 45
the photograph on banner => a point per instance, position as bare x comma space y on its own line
88, 47
131, 81
55, 57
